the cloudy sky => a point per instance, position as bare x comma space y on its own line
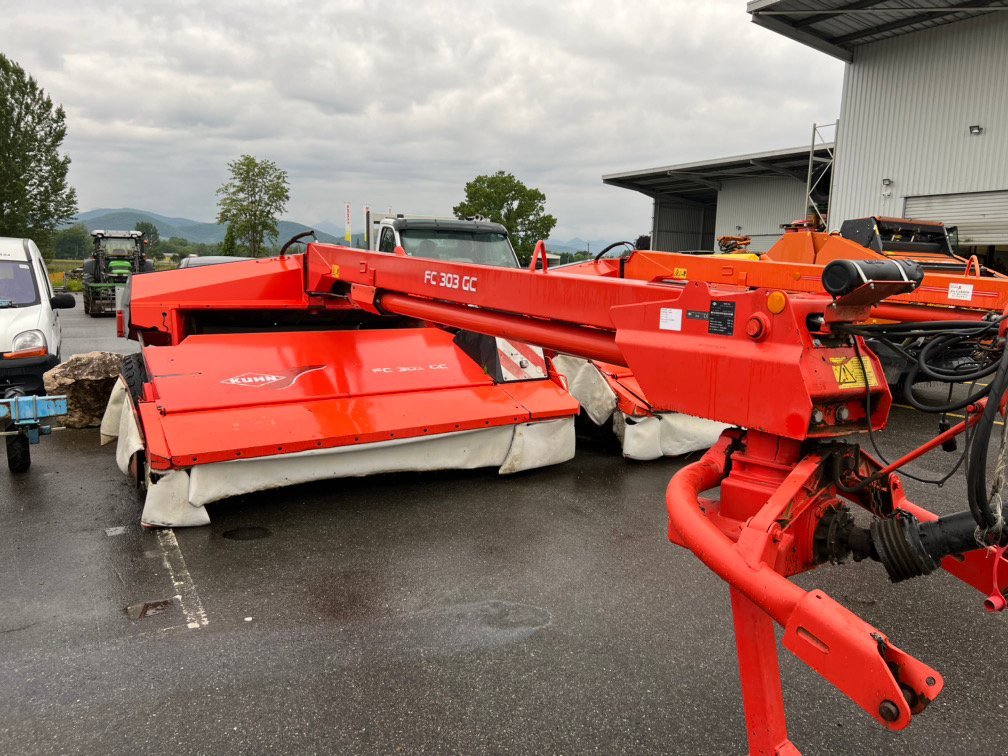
400, 103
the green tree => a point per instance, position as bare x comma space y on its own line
73, 243
250, 201
34, 195
151, 234
174, 246
228, 246
519, 208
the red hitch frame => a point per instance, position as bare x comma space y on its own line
758, 358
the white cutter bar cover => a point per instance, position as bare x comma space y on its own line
177, 498
642, 437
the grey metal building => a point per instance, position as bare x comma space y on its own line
694, 203
923, 129
924, 115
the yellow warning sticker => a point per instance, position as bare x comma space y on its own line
849, 373
335, 271
679, 273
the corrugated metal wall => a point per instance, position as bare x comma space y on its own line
759, 206
680, 227
981, 217
908, 104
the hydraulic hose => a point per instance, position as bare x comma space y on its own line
974, 347
294, 240
599, 256
985, 507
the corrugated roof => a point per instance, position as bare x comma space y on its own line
700, 181
836, 27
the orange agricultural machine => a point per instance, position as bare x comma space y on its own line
791, 372
778, 352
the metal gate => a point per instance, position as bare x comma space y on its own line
982, 217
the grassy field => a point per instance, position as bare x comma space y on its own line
62, 266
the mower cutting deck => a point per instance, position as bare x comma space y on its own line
222, 414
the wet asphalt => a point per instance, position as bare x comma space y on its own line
429, 613
82, 333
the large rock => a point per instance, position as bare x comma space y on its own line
87, 381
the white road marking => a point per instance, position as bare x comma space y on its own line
185, 588
116, 531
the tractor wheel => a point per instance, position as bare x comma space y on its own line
87, 279
18, 453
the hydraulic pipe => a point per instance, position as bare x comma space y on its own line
769, 590
908, 313
580, 341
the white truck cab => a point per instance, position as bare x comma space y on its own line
29, 318
472, 241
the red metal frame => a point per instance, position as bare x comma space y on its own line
762, 369
618, 321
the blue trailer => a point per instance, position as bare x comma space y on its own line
22, 423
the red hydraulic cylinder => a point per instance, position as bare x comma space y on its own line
903, 313
582, 342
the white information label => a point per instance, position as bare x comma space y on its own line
670, 319
961, 292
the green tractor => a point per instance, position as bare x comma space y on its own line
117, 255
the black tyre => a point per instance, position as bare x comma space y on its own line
135, 375
148, 266
18, 453
87, 304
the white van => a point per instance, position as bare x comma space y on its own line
29, 321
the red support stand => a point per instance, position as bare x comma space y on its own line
759, 670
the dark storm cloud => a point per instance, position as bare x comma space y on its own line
400, 103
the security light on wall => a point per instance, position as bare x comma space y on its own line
976, 130
887, 182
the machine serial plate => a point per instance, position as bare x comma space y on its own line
722, 318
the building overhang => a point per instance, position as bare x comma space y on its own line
836, 27
700, 182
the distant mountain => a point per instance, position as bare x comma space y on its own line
125, 219
148, 215
577, 245
330, 227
